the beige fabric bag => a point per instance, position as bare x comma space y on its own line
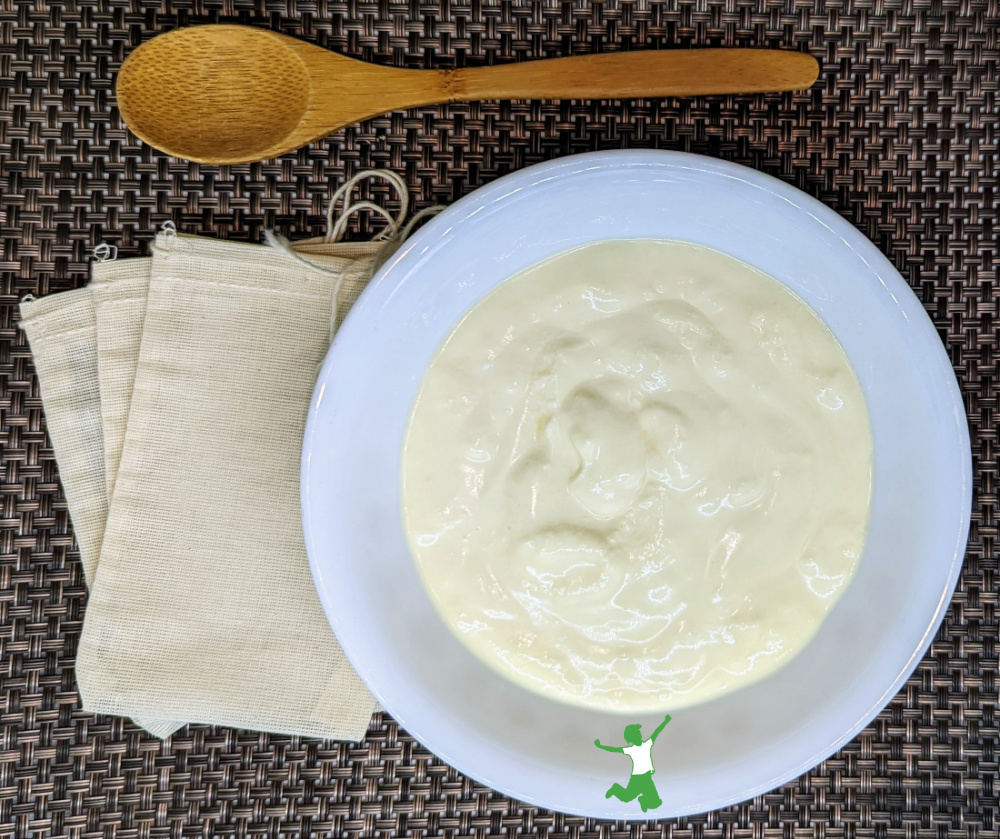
62, 333
119, 289
203, 607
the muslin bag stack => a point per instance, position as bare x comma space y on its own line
176, 390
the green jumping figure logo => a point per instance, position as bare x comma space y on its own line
640, 785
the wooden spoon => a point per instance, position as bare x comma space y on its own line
233, 94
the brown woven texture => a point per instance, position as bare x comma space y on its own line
899, 135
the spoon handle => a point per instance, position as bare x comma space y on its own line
623, 75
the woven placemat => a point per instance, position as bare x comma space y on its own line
899, 135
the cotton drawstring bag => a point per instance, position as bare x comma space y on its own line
62, 333
119, 290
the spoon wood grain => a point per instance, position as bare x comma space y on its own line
234, 94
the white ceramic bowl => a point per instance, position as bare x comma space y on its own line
744, 743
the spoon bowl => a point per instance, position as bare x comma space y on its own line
235, 94
208, 96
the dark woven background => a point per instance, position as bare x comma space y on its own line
899, 135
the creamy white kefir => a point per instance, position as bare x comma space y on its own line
637, 475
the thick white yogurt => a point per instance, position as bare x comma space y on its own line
637, 475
